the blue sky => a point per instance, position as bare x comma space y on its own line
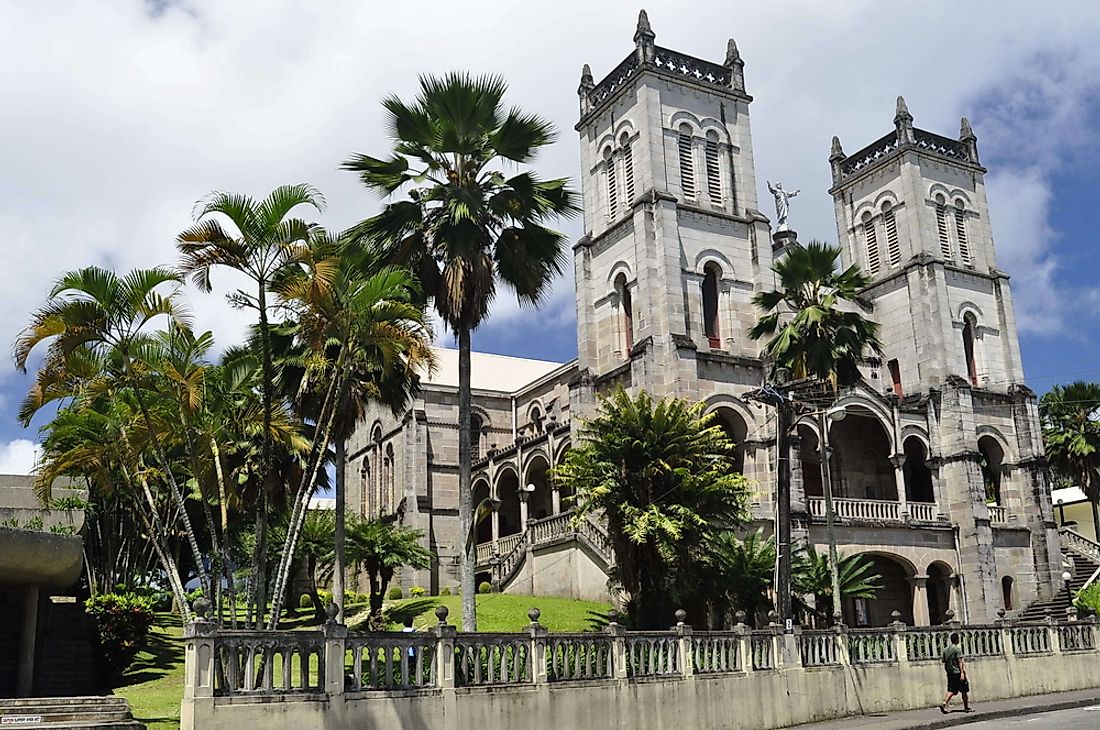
119, 114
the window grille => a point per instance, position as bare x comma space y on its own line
687, 170
612, 186
871, 237
941, 227
714, 179
628, 171
960, 234
893, 245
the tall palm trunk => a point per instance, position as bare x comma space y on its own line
259, 562
465, 494
341, 506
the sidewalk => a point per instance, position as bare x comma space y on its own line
933, 718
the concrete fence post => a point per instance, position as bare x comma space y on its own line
843, 654
444, 651
901, 646
336, 635
618, 649
537, 651
197, 708
1052, 634
789, 654
683, 635
1005, 627
744, 643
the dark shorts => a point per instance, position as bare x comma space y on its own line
955, 683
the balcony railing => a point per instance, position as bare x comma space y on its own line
998, 514
923, 511
875, 510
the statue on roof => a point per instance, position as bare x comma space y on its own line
782, 204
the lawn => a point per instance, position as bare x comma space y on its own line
154, 683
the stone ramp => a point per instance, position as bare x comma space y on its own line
105, 713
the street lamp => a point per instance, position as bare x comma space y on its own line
834, 414
1066, 575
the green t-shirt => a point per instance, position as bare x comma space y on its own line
951, 659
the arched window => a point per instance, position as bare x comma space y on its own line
893, 245
536, 419
687, 166
714, 175
895, 376
364, 487
969, 325
871, 239
612, 184
476, 427
941, 228
628, 168
993, 457
960, 233
388, 484
628, 313
1006, 592
710, 304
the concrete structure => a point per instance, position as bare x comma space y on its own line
677, 679
40, 553
938, 469
1072, 509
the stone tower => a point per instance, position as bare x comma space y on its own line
911, 212
674, 246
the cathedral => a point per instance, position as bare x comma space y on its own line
934, 461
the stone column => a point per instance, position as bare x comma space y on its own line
24, 678
335, 636
555, 498
537, 634
921, 616
197, 708
898, 460
496, 522
523, 494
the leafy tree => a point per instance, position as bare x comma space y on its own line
466, 223
380, 548
662, 476
857, 579
819, 338
262, 240
738, 573
1071, 435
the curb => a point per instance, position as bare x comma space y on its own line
967, 719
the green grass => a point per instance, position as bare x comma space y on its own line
154, 682
501, 612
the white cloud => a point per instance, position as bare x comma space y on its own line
19, 456
117, 118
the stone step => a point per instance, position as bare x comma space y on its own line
68, 712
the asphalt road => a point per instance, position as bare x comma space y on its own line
1081, 718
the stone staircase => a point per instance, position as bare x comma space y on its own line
1085, 556
104, 713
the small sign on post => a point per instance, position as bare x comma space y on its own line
788, 625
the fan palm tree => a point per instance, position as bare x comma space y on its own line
818, 338
739, 572
380, 548
262, 240
661, 474
812, 577
94, 315
466, 224
1071, 435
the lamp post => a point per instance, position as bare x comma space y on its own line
1066, 575
833, 414
1061, 512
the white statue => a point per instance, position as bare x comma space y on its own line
782, 204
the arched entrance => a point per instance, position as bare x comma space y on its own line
809, 456
938, 588
918, 477
737, 431
896, 594
860, 466
993, 457
508, 494
485, 527
539, 500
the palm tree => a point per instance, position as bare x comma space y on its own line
263, 240
812, 577
1071, 436
350, 324
466, 224
662, 477
819, 340
380, 548
94, 315
739, 572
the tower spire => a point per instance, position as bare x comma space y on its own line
836, 157
903, 122
587, 84
644, 38
969, 140
736, 66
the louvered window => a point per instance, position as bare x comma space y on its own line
960, 233
612, 185
628, 171
687, 169
714, 179
871, 238
941, 228
893, 245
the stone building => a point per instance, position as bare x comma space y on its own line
936, 464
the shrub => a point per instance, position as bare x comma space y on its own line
445, 591
417, 592
305, 601
122, 621
325, 596
485, 587
1088, 600
395, 593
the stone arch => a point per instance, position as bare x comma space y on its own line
917, 474
949, 194
732, 402
896, 594
711, 297
481, 491
537, 474
737, 429
684, 118
1008, 593
940, 583
860, 465
992, 464
506, 489
620, 268
711, 256
536, 415
809, 457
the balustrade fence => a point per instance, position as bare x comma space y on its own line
245, 663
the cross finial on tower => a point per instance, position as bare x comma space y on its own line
736, 66
587, 84
643, 39
903, 122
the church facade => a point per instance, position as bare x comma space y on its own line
935, 460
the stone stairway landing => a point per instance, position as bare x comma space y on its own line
105, 713
1085, 556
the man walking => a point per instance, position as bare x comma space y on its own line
955, 667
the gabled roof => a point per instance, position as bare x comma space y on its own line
488, 372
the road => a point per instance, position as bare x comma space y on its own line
1081, 718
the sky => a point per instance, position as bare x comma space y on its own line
120, 114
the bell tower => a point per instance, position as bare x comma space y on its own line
674, 246
911, 212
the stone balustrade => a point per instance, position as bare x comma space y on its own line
877, 510
1079, 543
231, 676
998, 515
